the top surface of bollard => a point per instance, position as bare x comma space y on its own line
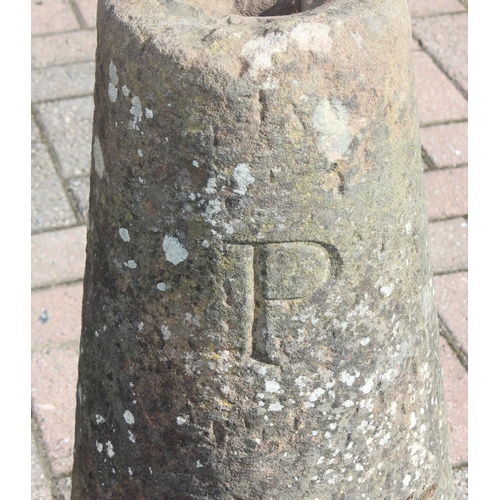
228, 11
258, 8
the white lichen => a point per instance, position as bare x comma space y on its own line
331, 123
243, 177
347, 378
113, 76
317, 393
258, 52
131, 437
272, 386
174, 251
165, 332
129, 418
312, 37
109, 449
98, 157
112, 92
124, 234
369, 384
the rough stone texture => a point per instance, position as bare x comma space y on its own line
63, 48
49, 205
57, 257
429, 7
40, 487
49, 16
461, 481
79, 190
258, 319
456, 390
438, 99
62, 81
69, 128
452, 304
446, 37
53, 379
56, 315
448, 242
446, 145
446, 193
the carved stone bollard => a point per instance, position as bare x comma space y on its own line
259, 319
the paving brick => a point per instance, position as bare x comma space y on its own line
452, 305
58, 82
58, 256
446, 192
448, 245
456, 394
40, 487
56, 315
53, 391
79, 190
69, 128
63, 48
50, 16
438, 99
445, 37
35, 131
461, 482
88, 8
446, 145
429, 7
49, 205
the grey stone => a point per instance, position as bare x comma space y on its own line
79, 190
49, 206
69, 128
57, 82
257, 271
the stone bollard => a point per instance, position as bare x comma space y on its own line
259, 319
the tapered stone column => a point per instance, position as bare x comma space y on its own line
259, 318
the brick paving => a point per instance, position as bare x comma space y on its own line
63, 48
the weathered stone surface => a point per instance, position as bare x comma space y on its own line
259, 319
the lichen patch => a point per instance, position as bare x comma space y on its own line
174, 251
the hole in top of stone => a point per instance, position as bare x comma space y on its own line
264, 8
260, 8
